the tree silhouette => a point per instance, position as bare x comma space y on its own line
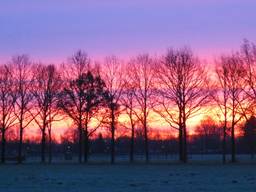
114, 80
209, 132
250, 134
7, 100
125, 98
46, 87
128, 100
182, 91
77, 65
81, 101
23, 77
142, 77
221, 97
248, 57
233, 71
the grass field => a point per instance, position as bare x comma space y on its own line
140, 177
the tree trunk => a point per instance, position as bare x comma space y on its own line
180, 144
224, 142
185, 153
180, 138
224, 137
43, 141
86, 139
80, 130
146, 143
80, 144
145, 132
112, 136
3, 146
21, 133
233, 158
224, 146
132, 146
50, 147
86, 146
20, 144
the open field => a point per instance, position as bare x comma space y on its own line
125, 177
170, 158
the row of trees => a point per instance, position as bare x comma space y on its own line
114, 94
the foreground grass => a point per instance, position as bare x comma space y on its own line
125, 177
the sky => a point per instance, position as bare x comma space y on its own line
52, 30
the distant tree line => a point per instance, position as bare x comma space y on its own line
123, 98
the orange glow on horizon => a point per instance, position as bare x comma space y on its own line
158, 127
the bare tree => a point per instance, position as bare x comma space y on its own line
221, 97
114, 79
81, 101
235, 72
53, 116
236, 79
249, 133
182, 91
46, 88
7, 100
142, 75
22, 77
209, 131
248, 57
76, 66
129, 102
